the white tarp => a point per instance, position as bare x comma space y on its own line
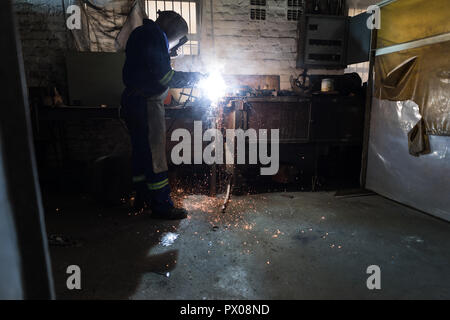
421, 182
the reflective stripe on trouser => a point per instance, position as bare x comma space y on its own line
158, 185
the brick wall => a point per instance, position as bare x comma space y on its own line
44, 40
245, 46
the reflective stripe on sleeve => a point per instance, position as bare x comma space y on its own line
166, 79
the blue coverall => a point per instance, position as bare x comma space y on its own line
146, 74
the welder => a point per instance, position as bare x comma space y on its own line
148, 75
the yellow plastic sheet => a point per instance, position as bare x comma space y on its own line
408, 20
410, 109
423, 76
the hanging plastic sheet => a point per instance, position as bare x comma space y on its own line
421, 182
423, 76
408, 20
409, 143
106, 24
134, 20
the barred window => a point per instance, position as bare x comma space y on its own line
294, 9
258, 14
257, 9
189, 10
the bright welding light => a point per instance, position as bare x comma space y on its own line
214, 86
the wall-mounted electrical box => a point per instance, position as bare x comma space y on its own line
323, 41
327, 41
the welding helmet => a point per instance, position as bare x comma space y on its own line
175, 28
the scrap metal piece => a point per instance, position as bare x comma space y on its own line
227, 197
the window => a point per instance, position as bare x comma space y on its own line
189, 10
258, 14
361, 68
257, 10
294, 9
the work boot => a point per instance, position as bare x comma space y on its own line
169, 214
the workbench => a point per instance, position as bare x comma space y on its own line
308, 124
309, 127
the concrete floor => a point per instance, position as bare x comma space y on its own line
268, 246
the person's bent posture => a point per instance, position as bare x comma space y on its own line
147, 75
